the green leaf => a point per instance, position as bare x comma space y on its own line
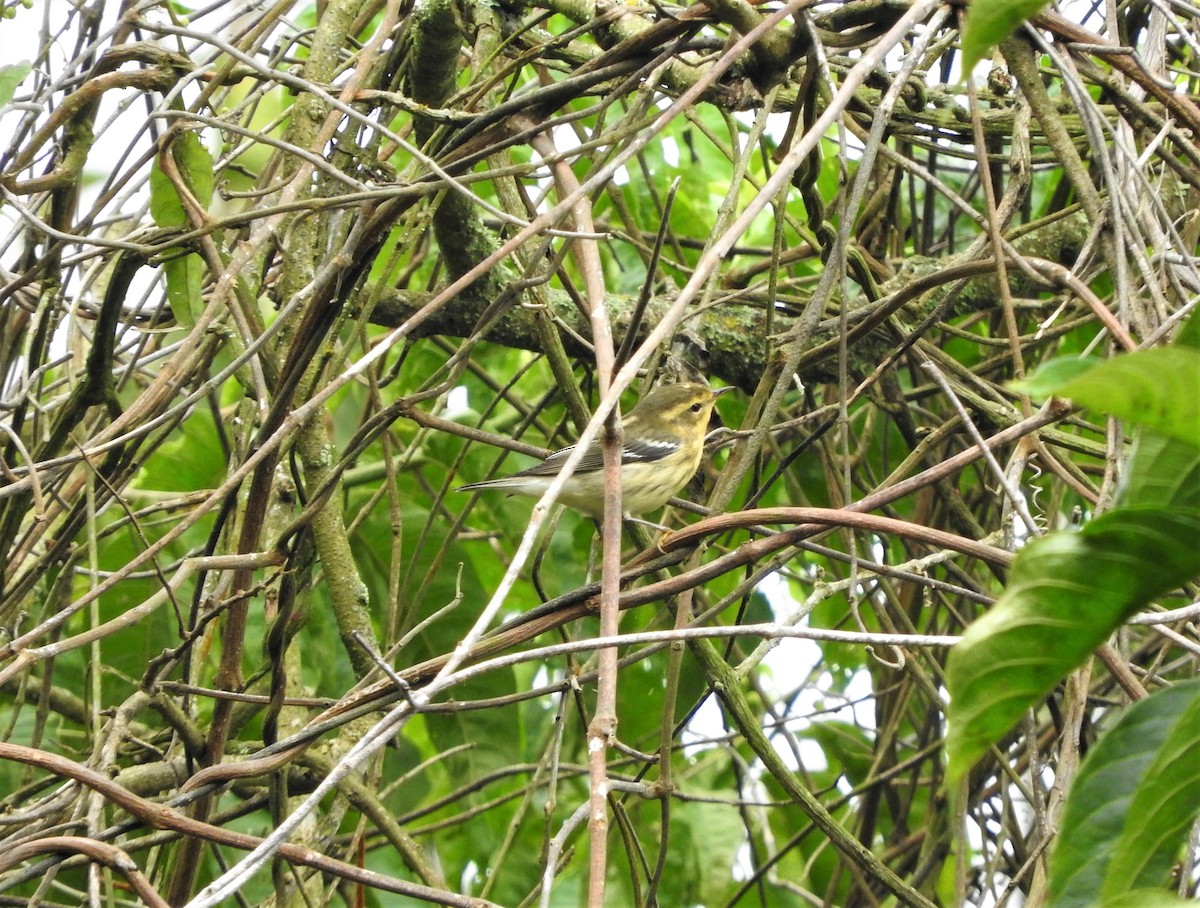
1189, 333
991, 21
1157, 388
184, 276
1067, 593
194, 164
191, 458
1162, 471
11, 76
847, 748
1147, 898
1132, 805
185, 280
1054, 374
716, 835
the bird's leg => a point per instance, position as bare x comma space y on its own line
535, 572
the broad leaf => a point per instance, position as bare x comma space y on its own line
195, 166
1051, 376
847, 747
1147, 898
1067, 593
184, 275
1189, 332
185, 279
1132, 805
1162, 471
11, 76
991, 21
1159, 388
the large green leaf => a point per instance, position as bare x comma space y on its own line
11, 76
1162, 471
1132, 805
184, 275
1159, 388
1054, 374
847, 747
1067, 593
1189, 332
1147, 898
195, 167
1165, 469
991, 21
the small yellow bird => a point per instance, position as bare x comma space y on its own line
663, 444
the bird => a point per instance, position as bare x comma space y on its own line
663, 443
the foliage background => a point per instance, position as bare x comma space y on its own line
277, 280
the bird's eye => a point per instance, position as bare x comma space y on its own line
696, 407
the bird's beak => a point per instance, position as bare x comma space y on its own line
717, 392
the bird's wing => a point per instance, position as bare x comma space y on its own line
636, 451
647, 450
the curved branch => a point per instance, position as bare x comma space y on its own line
159, 816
